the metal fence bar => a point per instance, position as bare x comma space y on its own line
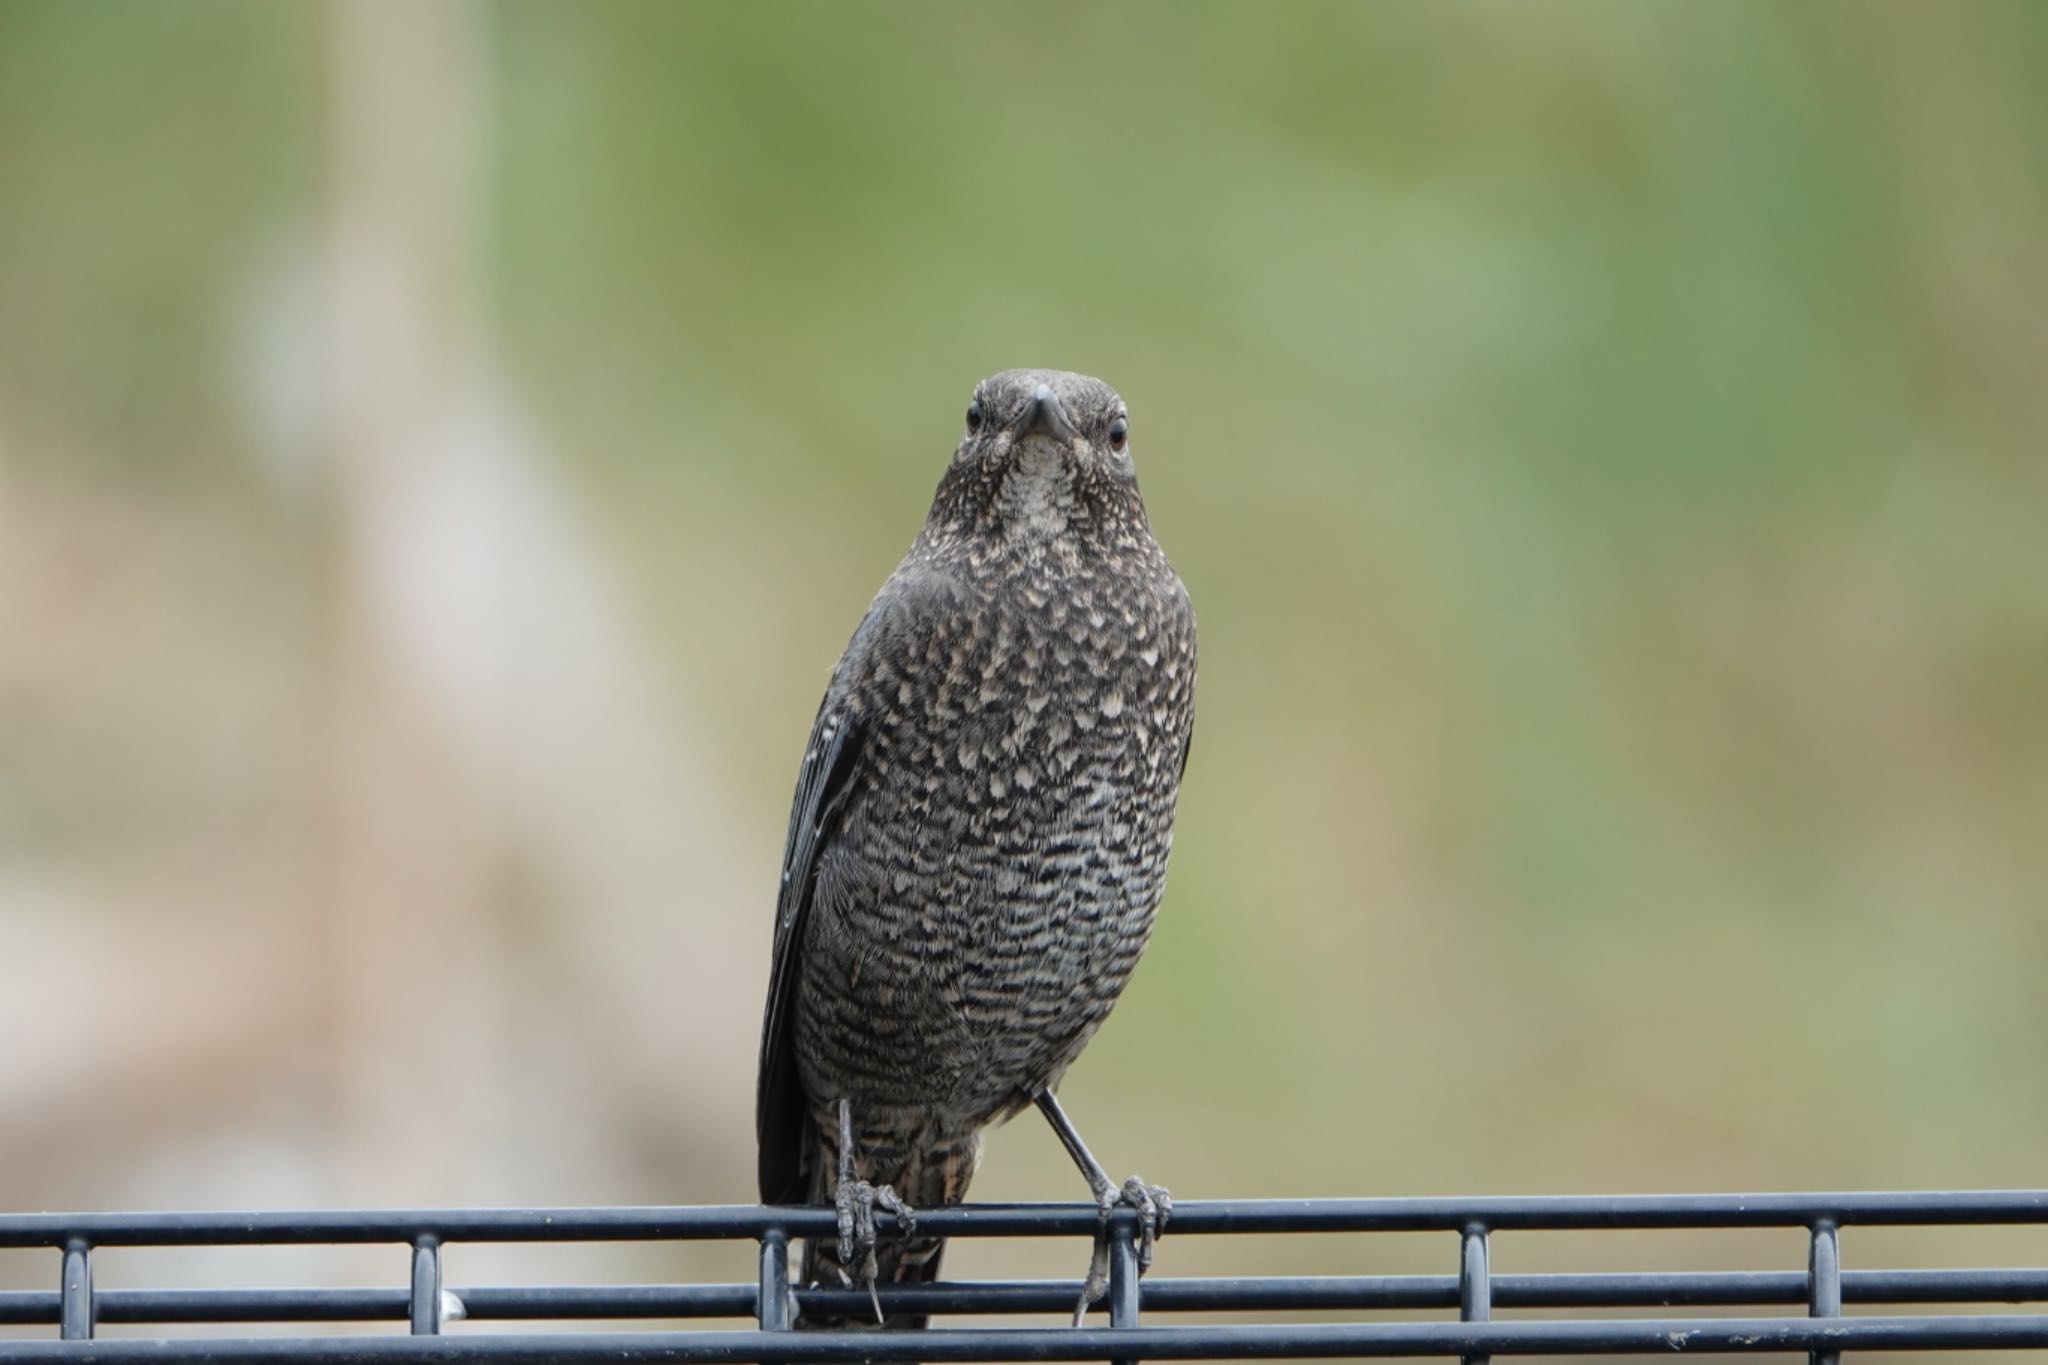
1475, 1286
1815, 1325
771, 1299
1176, 1295
1125, 1292
75, 1288
425, 1305
1824, 1270
749, 1221
23, 1308
1735, 1336
1628, 1289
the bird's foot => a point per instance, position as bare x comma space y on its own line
856, 1202
1154, 1207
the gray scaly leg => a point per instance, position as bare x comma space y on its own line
856, 1201
1153, 1203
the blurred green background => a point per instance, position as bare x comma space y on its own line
443, 449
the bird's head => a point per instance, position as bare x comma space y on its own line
1044, 453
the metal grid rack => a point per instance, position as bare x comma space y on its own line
1822, 1330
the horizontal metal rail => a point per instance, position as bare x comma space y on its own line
1281, 1341
1677, 1289
728, 1222
1478, 1298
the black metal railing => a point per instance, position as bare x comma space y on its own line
1821, 1328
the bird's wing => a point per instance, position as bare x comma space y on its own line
899, 621
781, 1117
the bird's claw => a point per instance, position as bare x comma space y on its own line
856, 1202
1154, 1207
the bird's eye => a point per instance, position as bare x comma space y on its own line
1119, 432
974, 416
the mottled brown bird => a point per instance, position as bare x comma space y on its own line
980, 833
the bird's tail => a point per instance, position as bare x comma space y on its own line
929, 1178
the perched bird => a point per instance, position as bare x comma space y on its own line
980, 833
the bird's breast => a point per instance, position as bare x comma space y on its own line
1000, 856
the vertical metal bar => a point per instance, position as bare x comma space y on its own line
76, 1320
1475, 1284
1824, 1283
426, 1287
772, 1305
1124, 1292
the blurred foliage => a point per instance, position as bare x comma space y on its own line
1605, 444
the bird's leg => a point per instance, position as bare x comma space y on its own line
856, 1201
1153, 1204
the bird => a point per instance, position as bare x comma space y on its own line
979, 838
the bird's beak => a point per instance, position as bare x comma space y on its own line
1046, 417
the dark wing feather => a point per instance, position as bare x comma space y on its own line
782, 1120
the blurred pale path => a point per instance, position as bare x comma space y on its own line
443, 448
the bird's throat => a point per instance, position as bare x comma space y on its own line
1037, 500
